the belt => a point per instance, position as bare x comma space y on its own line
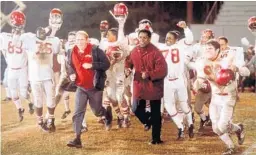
172, 79
222, 94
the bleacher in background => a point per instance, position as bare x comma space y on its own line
231, 21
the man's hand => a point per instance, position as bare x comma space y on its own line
127, 71
87, 66
233, 68
72, 77
182, 24
144, 75
121, 19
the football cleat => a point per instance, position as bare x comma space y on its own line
21, 113
191, 131
75, 143
31, 108
181, 135
65, 114
229, 151
240, 134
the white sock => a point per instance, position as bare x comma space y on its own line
227, 140
8, 92
84, 122
18, 104
189, 118
39, 119
148, 106
202, 116
180, 116
177, 121
66, 103
46, 115
235, 127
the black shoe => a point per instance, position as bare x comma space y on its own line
156, 142
21, 112
42, 126
84, 129
75, 143
147, 127
240, 134
109, 115
108, 118
31, 108
190, 131
126, 123
51, 125
202, 123
229, 151
193, 117
65, 114
181, 135
208, 122
119, 122
108, 124
7, 99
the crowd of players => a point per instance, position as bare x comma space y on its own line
211, 70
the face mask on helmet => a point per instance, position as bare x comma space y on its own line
17, 21
40, 33
252, 24
56, 18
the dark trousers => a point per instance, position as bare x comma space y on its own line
95, 100
153, 118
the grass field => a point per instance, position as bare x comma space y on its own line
25, 138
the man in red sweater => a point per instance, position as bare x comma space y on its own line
86, 66
150, 69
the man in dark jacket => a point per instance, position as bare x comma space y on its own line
150, 69
86, 66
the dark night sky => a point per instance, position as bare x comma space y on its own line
87, 15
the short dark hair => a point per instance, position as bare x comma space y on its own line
145, 31
72, 33
114, 30
214, 43
145, 21
176, 34
223, 38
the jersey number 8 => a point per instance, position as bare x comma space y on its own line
175, 55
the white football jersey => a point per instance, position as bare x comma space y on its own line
198, 50
204, 68
175, 60
40, 56
15, 55
163, 48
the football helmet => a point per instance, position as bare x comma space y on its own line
252, 23
224, 77
209, 33
145, 24
205, 87
120, 9
56, 18
17, 20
